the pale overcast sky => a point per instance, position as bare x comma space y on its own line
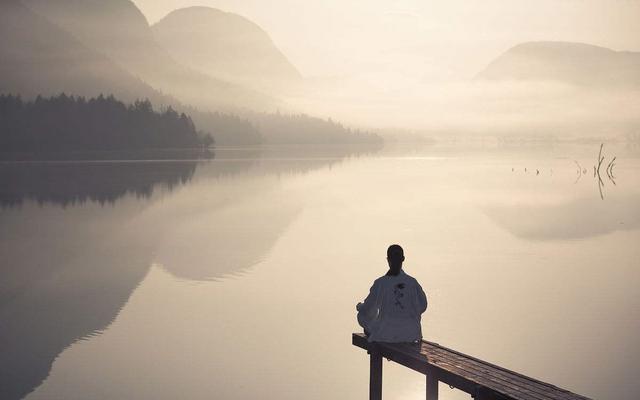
419, 39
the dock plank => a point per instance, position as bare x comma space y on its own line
465, 372
499, 377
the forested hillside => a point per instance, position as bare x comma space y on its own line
67, 123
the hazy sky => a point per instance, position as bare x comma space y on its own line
420, 40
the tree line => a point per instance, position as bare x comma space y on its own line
66, 123
277, 128
248, 128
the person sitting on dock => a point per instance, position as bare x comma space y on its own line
393, 309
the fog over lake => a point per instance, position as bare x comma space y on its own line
197, 195
237, 277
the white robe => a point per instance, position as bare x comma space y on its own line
393, 309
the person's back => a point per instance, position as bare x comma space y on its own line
392, 310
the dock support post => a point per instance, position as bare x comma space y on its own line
432, 386
375, 375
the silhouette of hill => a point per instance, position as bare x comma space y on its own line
37, 57
574, 63
108, 48
119, 30
225, 45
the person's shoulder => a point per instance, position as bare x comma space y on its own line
380, 279
410, 278
383, 281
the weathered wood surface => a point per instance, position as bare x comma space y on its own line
479, 378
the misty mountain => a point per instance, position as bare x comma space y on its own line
574, 63
119, 30
226, 45
37, 57
92, 56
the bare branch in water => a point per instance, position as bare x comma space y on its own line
608, 170
600, 158
600, 188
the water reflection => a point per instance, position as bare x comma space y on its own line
71, 264
226, 239
599, 171
581, 215
65, 276
237, 211
577, 219
67, 183
310, 225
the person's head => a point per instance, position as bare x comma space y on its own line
395, 258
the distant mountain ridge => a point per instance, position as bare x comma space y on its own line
567, 62
226, 45
121, 32
93, 47
38, 57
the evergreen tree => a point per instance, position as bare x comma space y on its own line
66, 123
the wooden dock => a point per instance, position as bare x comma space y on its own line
480, 379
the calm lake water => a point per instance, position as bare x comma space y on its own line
237, 277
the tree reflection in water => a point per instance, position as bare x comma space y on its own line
68, 183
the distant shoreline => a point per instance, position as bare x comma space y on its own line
151, 154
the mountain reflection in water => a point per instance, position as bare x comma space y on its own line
578, 219
78, 238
